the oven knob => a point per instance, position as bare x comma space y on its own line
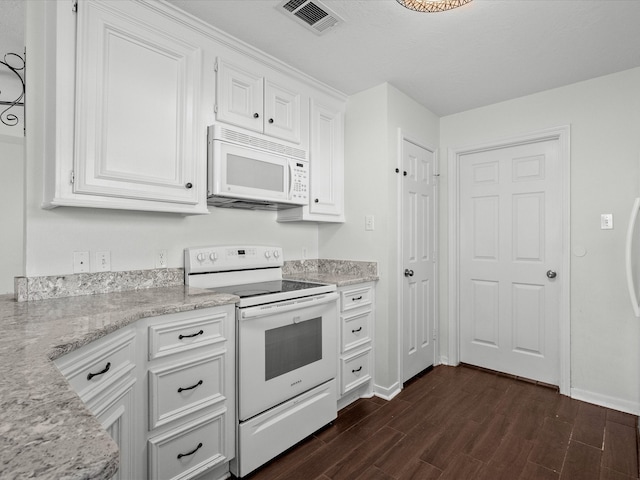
267, 254
213, 257
201, 257
275, 254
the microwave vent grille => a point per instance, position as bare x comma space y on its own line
256, 142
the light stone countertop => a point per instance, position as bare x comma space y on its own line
339, 279
46, 432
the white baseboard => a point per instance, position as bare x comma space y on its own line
614, 403
387, 393
444, 360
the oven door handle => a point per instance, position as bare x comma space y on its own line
287, 306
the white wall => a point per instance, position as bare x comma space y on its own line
371, 187
11, 209
604, 115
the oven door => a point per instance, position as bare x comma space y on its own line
285, 349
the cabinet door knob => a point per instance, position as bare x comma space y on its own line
317, 200
256, 115
271, 120
189, 185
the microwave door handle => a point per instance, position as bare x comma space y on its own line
290, 179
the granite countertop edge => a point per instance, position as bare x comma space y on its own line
47, 432
337, 279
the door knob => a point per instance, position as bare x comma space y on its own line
408, 273
551, 274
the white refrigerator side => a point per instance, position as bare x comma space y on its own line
629, 258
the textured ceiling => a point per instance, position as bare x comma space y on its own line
485, 52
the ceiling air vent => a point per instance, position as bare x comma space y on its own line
311, 14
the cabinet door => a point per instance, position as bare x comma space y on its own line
239, 97
281, 112
137, 106
116, 414
326, 161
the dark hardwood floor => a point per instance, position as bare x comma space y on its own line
457, 423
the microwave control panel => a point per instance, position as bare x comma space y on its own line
299, 181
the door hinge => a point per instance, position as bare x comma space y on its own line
215, 66
72, 177
74, 6
215, 108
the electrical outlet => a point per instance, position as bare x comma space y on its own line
161, 259
80, 262
606, 221
102, 262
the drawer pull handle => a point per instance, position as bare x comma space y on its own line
180, 337
355, 299
180, 455
356, 370
356, 330
106, 369
190, 388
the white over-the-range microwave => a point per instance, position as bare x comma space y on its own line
253, 172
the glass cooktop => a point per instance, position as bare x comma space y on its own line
267, 288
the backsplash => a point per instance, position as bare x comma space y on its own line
330, 267
73, 285
58, 286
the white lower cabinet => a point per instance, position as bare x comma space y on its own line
190, 449
357, 310
164, 389
103, 374
191, 394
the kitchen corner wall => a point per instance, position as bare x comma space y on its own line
371, 188
604, 115
133, 238
12, 211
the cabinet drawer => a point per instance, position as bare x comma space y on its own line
355, 370
180, 389
190, 450
355, 297
95, 367
355, 331
180, 332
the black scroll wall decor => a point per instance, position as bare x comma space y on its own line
16, 64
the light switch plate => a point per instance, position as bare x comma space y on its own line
368, 222
102, 262
606, 221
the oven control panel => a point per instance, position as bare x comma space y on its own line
231, 257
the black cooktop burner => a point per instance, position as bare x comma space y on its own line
266, 288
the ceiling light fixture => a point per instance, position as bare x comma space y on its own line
432, 6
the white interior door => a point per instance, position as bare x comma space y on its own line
510, 250
418, 259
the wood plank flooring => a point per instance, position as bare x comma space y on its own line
457, 423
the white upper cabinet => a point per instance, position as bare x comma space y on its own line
255, 102
326, 160
138, 126
128, 89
